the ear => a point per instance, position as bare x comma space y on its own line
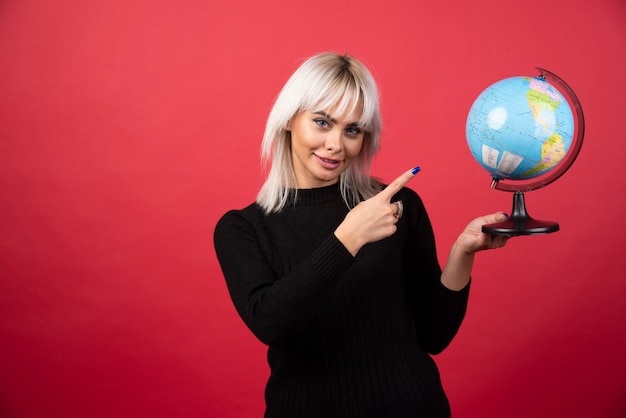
288, 125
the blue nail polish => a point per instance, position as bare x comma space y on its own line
416, 170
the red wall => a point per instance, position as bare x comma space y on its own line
128, 127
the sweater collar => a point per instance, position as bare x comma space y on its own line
316, 195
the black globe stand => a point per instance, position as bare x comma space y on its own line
520, 222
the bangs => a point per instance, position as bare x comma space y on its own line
340, 94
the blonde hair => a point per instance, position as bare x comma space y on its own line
324, 81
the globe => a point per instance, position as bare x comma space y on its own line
526, 130
520, 128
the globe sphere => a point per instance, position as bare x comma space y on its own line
520, 128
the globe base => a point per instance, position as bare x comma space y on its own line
520, 223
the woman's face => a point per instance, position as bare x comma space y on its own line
323, 145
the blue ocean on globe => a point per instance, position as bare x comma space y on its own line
520, 128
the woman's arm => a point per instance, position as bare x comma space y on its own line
274, 306
456, 273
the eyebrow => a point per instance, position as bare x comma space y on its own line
333, 120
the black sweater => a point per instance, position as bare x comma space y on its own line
348, 336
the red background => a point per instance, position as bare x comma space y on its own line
128, 127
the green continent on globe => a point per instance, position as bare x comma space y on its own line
553, 149
552, 152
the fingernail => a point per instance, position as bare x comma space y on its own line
505, 214
415, 170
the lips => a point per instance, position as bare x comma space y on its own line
328, 163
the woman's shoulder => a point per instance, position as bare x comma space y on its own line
237, 218
251, 213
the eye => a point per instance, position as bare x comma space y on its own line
353, 130
321, 122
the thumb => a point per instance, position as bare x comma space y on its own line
398, 183
495, 217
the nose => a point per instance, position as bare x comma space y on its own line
334, 141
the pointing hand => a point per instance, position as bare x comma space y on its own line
374, 218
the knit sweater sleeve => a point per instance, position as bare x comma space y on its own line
437, 310
273, 306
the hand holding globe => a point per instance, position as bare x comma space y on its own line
527, 131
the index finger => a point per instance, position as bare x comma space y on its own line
395, 186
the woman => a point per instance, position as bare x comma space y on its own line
336, 273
